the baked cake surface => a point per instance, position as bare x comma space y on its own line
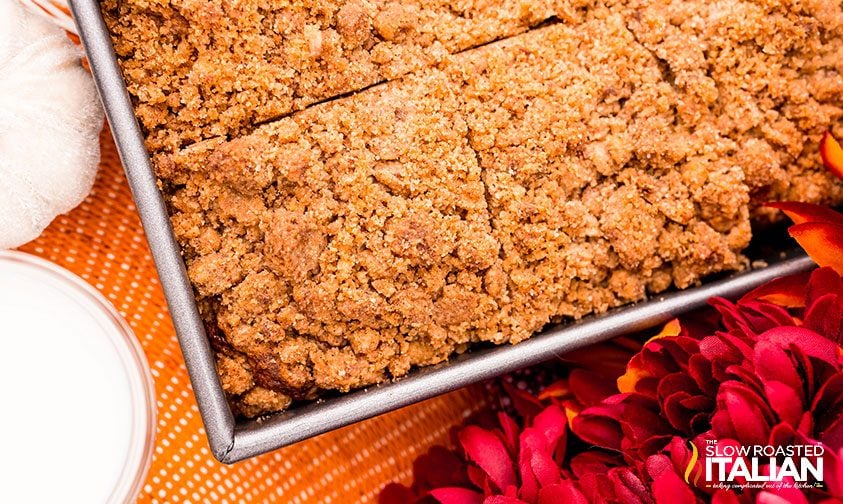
770, 72
341, 245
576, 167
201, 69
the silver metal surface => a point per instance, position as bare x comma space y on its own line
232, 441
219, 421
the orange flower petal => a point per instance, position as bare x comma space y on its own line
555, 390
806, 212
788, 292
832, 154
823, 241
630, 379
634, 373
671, 329
572, 409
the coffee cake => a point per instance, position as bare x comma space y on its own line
621, 149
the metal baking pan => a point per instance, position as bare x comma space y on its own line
233, 440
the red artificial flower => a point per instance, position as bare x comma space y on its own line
765, 370
767, 376
506, 464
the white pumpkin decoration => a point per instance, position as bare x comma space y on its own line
56, 11
50, 119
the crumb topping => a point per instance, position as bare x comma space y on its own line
200, 69
479, 194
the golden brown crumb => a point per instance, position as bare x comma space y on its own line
327, 278
199, 69
769, 73
236, 379
259, 400
585, 167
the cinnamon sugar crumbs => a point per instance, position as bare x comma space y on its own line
554, 174
200, 69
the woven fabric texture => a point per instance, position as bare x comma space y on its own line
102, 241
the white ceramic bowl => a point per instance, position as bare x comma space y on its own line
78, 415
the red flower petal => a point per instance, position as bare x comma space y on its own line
551, 422
594, 461
682, 457
825, 317
833, 435
772, 363
627, 487
676, 382
510, 432
823, 281
832, 154
786, 291
782, 496
823, 241
724, 497
828, 409
599, 426
762, 316
651, 445
679, 397
699, 368
524, 403
731, 317
668, 487
723, 351
590, 388
502, 499
806, 424
564, 492
658, 358
785, 401
642, 421
545, 469
477, 476
806, 340
741, 414
529, 490
439, 467
597, 487
533, 440
488, 451
806, 212
834, 470
784, 434
678, 416
803, 363
698, 403
746, 375
395, 493
635, 372
456, 495
555, 390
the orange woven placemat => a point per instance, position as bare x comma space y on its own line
102, 241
